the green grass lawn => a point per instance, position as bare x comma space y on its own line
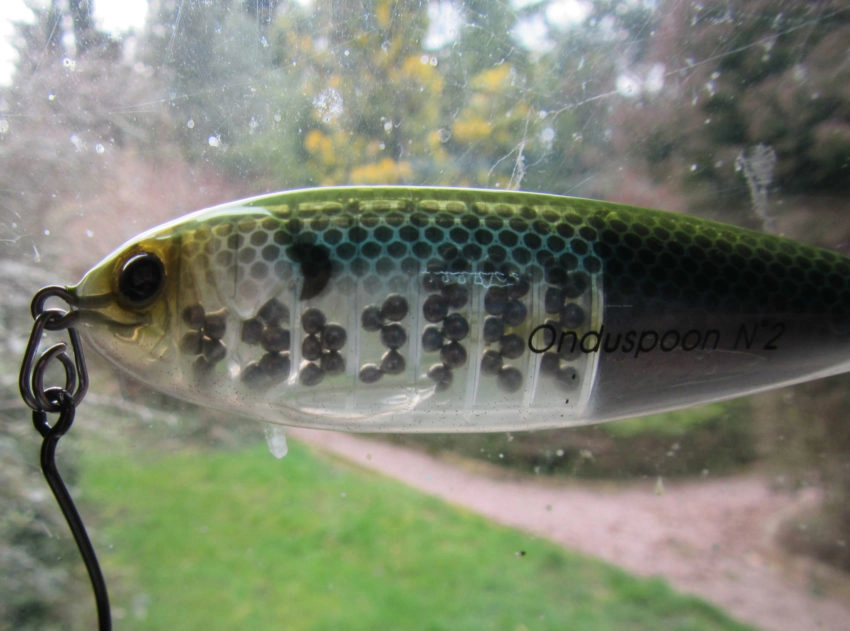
236, 540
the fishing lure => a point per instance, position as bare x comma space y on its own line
436, 309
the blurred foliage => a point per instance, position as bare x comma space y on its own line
737, 74
668, 424
343, 94
805, 440
712, 439
64, 124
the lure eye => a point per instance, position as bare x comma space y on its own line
141, 279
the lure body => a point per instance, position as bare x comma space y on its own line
433, 309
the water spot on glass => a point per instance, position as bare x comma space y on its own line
46, 232
51, 97
190, 124
547, 137
444, 134
694, 167
214, 141
627, 85
89, 234
654, 81
277, 117
388, 126
69, 63
328, 104
79, 143
99, 148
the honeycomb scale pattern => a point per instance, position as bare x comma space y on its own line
661, 258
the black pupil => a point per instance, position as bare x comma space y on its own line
141, 279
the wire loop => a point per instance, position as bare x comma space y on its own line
34, 366
61, 319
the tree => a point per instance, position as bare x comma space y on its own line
212, 55
736, 75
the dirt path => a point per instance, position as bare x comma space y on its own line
712, 538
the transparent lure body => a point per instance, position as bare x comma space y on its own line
428, 309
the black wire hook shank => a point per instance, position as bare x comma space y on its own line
61, 400
52, 434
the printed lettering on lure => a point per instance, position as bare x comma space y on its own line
483, 279
756, 336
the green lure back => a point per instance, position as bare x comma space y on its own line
437, 309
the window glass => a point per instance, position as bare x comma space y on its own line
117, 116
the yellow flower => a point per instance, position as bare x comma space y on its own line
386, 171
471, 129
320, 145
